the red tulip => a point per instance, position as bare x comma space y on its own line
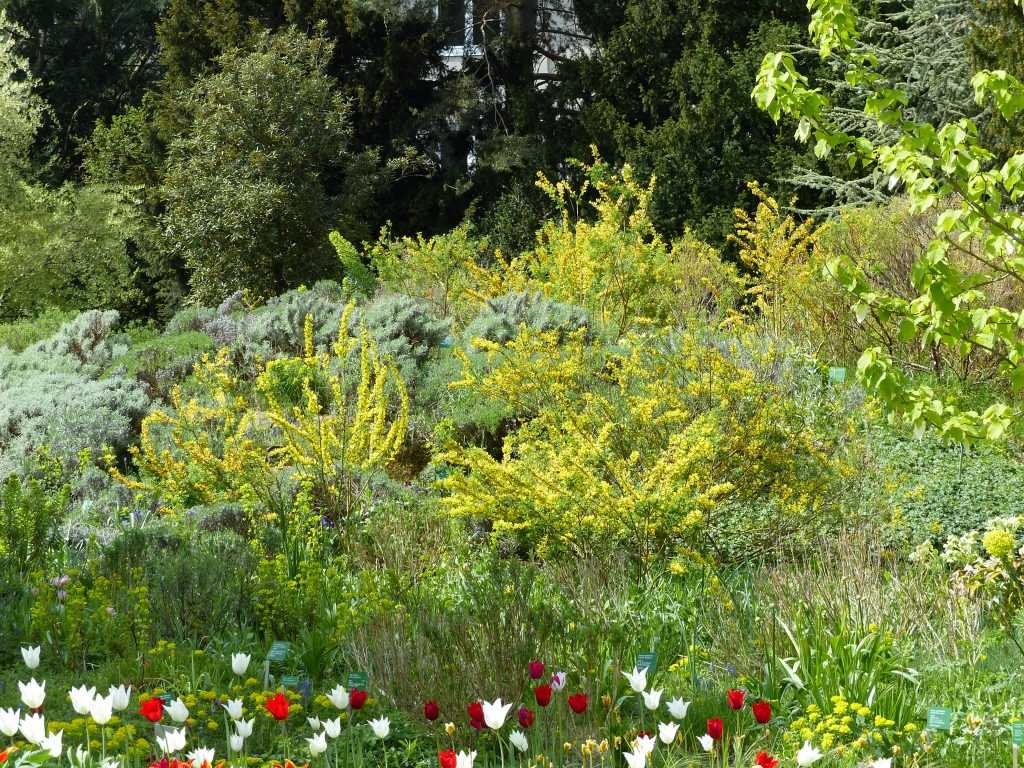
430, 710
277, 706
715, 728
536, 669
525, 717
357, 698
578, 703
764, 760
447, 758
475, 710
762, 711
152, 709
543, 694
735, 698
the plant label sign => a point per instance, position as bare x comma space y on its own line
278, 651
166, 698
358, 680
1017, 733
290, 681
647, 661
837, 375
940, 719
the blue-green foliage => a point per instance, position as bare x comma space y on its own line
500, 318
403, 329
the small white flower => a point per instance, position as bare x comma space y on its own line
338, 697
381, 727
240, 663
102, 709
677, 708
120, 696
667, 732
30, 655
495, 713
10, 720
234, 708
637, 679
33, 728
645, 744
178, 711
172, 740
465, 759
244, 727
882, 762
317, 744
518, 740
236, 742
33, 693
201, 757
636, 759
332, 728
81, 699
652, 699
707, 742
314, 723
807, 755
53, 743
558, 681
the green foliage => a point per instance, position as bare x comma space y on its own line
953, 307
500, 318
21, 333
403, 329
264, 167
162, 361
31, 513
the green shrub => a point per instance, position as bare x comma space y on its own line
403, 328
500, 318
21, 333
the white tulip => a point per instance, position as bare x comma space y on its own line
30, 655
234, 708
314, 723
172, 740
667, 732
635, 759
644, 744
53, 743
240, 663
807, 755
120, 696
518, 740
707, 742
338, 697
81, 699
102, 709
381, 727
236, 742
332, 727
652, 699
33, 728
677, 708
10, 720
317, 744
637, 679
33, 693
558, 681
178, 711
465, 759
495, 713
201, 757
244, 727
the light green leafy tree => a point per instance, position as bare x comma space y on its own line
953, 308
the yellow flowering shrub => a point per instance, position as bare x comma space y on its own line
636, 448
776, 251
227, 440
